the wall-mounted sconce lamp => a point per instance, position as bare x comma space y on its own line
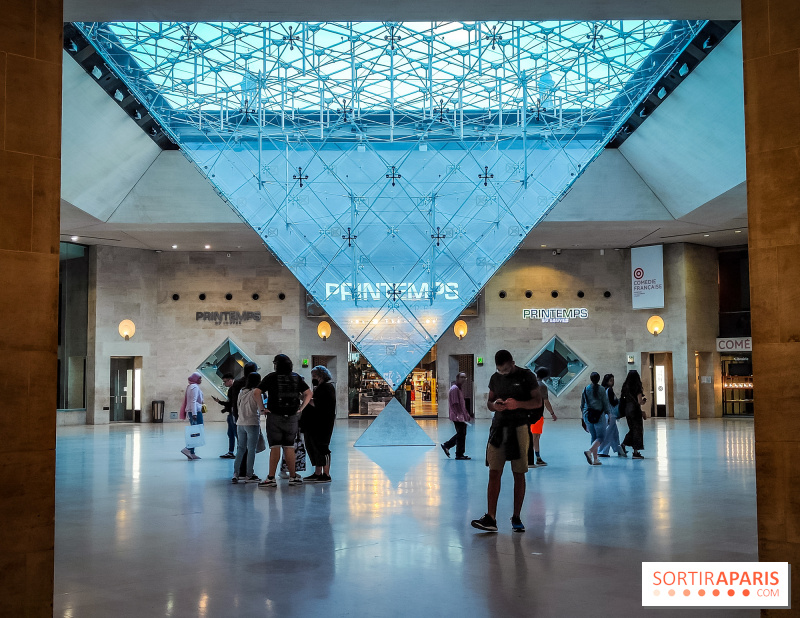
127, 329
324, 330
460, 329
655, 325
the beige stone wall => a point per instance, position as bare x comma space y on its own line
138, 285
612, 331
134, 284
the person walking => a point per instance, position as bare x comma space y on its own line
542, 373
318, 421
631, 401
284, 390
247, 429
611, 441
457, 410
594, 405
192, 408
513, 395
227, 408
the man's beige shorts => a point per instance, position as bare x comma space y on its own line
496, 455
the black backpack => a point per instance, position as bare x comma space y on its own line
288, 395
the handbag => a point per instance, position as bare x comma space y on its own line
261, 446
299, 455
195, 436
203, 409
593, 415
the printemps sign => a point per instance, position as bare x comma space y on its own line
559, 315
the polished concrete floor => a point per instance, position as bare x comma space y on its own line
141, 531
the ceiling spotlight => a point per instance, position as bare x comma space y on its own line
661, 93
174, 246
118, 95
208, 246
684, 70
706, 235
709, 43
72, 46
97, 73
153, 132
737, 231
543, 246
137, 115
74, 238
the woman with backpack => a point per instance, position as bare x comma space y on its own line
631, 401
612, 431
594, 405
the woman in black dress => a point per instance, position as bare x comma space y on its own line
631, 401
317, 421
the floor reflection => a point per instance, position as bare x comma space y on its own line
141, 531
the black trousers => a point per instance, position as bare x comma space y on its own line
459, 440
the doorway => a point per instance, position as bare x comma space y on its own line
122, 389
660, 395
464, 363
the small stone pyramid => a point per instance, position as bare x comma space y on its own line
394, 427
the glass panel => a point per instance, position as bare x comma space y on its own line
227, 358
392, 167
73, 324
564, 365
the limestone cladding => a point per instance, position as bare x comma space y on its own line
139, 285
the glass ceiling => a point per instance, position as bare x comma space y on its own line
393, 167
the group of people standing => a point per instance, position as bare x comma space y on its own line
291, 409
601, 410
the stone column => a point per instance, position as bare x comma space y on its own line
30, 169
771, 42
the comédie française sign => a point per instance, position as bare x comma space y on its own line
562, 315
227, 318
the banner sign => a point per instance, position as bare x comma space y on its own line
647, 277
735, 344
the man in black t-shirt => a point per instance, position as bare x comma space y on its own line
285, 390
513, 397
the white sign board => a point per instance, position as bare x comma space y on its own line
661, 386
647, 277
735, 344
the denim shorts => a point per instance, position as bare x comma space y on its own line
598, 429
281, 430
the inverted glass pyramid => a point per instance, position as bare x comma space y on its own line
392, 167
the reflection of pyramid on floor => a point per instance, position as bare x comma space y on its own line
394, 427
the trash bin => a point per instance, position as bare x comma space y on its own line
157, 409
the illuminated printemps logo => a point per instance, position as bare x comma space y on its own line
562, 315
407, 292
392, 167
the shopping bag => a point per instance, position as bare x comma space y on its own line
299, 455
262, 445
195, 436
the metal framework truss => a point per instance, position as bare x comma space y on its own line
393, 167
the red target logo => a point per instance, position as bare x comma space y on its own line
638, 273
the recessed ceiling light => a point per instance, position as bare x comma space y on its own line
74, 238
174, 246
704, 236
737, 231
544, 246
208, 246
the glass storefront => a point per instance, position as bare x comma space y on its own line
368, 392
73, 324
737, 384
